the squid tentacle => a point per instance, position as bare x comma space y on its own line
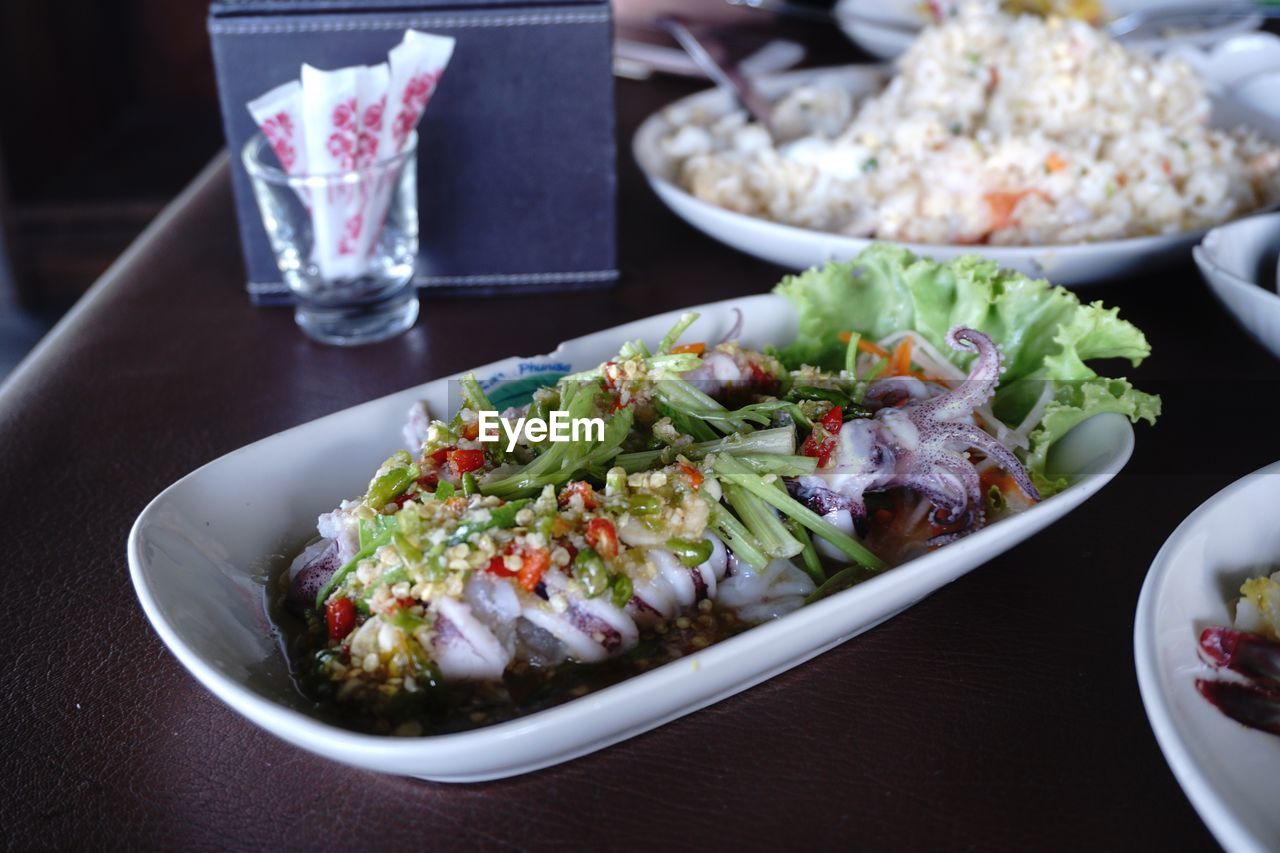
976, 388
919, 444
967, 435
952, 486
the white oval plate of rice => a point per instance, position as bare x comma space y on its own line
888, 42
1112, 168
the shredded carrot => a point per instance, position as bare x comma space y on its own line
845, 337
1166, 167
696, 349
1001, 480
1054, 163
901, 363
536, 562
872, 347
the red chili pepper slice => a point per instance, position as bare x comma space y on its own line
498, 566
578, 487
833, 420
822, 441
340, 614
536, 562
602, 536
694, 475
462, 461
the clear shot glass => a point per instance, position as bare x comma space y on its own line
350, 285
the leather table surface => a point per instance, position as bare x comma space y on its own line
1000, 712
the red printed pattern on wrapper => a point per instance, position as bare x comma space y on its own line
414, 100
344, 147
279, 114
279, 130
342, 141
351, 234
367, 153
370, 132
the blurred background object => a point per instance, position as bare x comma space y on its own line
109, 111
18, 330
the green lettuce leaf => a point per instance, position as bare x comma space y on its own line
1044, 332
1077, 402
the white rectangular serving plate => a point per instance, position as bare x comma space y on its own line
201, 553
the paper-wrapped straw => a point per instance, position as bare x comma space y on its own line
279, 114
329, 119
417, 64
339, 121
372, 85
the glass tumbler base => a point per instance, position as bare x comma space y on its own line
359, 323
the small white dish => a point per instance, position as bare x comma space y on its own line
799, 248
888, 42
200, 555
1260, 94
1230, 773
1229, 62
1261, 91
1239, 263
1243, 77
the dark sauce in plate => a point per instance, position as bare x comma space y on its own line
462, 705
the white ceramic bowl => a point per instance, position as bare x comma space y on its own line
201, 552
799, 248
1229, 62
888, 42
1239, 263
1230, 773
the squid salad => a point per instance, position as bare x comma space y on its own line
486, 573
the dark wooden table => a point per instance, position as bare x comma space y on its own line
1001, 712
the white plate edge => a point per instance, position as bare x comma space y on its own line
307, 732
1213, 809
650, 128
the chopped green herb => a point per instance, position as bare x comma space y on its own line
590, 571
691, 552
622, 589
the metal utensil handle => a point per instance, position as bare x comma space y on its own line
727, 77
